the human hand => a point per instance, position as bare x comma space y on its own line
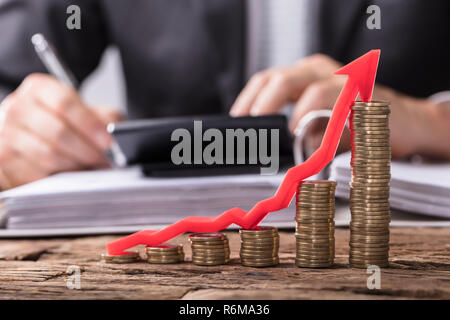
312, 85
45, 128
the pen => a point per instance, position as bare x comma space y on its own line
51, 60
59, 70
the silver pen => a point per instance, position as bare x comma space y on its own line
59, 70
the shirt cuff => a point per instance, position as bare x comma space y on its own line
440, 97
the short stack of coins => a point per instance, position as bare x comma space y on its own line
210, 249
165, 254
259, 247
369, 187
126, 258
315, 224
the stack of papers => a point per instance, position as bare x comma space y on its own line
124, 197
420, 188
124, 201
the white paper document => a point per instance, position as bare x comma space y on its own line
124, 197
124, 201
415, 187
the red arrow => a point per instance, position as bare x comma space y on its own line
361, 78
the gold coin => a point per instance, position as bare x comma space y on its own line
214, 255
365, 156
372, 261
370, 115
371, 160
315, 199
260, 241
362, 132
308, 218
208, 237
216, 247
314, 261
381, 240
316, 207
166, 247
371, 104
366, 119
372, 226
365, 153
359, 196
259, 250
373, 123
368, 254
369, 126
357, 144
261, 255
369, 231
259, 230
210, 259
365, 235
172, 258
168, 254
319, 195
369, 221
363, 122
313, 220
318, 183
209, 263
371, 215
309, 253
368, 206
317, 224
119, 259
260, 259
384, 149
306, 243
210, 243
372, 182
260, 246
368, 194
369, 188
259, 265
309, 260
358, 217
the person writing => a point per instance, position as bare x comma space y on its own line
194, 57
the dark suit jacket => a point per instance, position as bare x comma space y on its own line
187, 56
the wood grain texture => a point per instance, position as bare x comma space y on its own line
37, 269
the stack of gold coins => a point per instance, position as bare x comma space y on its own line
369, 187
315, 224
259, 247
210, 249
165, 254
126, 258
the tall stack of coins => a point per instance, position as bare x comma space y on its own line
126, 258
369, 187
210, 249
315, 224
259, 247
165, 254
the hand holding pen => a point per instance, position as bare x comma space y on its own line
46, 128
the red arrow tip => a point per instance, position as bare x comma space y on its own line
363, 71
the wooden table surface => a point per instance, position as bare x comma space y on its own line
37, 269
